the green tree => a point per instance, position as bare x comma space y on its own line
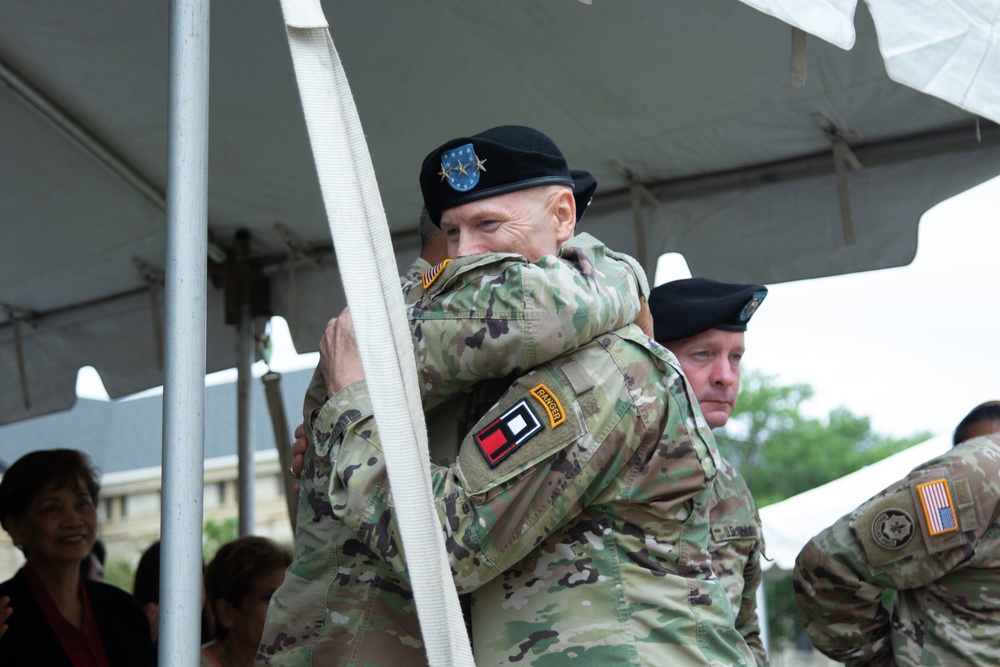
215, 534
781, 452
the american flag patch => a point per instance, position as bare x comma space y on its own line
508, 432
936, 499
431, 274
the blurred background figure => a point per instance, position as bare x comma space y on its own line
982, 420
92, 567
240, 581
48, 505
146, 589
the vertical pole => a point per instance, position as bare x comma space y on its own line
184, 350
245, 448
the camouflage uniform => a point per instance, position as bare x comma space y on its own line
600, 289
934, 538
737, 543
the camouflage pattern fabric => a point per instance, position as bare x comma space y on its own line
934, 538
737, 544
588, 540
590, 282
498, 315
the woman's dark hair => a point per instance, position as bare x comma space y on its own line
146, 585
35, 470
237, 567
988, 411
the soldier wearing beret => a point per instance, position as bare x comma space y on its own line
703, 322
576, 511
933, 538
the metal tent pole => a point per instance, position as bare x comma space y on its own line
244, 437
184, 353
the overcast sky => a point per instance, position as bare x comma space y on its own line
914, 348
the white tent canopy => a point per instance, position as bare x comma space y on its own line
684, 111
788, 525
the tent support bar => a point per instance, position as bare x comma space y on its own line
282, 438
797, 75
640, 231
244, 436
22, 374
186, 299
82, 138
872, 153
79, 136
840, 151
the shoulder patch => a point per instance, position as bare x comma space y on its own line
892, 528
885, 528
506, 433
551, 404
935, 498
431, 274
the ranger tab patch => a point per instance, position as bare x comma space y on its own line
431, 274
936, 500
551, 404
508, 432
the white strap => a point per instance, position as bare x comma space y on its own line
371, 282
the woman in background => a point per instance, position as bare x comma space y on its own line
240, 581
58, 618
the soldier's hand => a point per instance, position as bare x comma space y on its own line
645, 318
299, 448
339, 360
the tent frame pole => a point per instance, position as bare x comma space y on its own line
186, 279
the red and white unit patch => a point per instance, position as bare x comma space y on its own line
508, 432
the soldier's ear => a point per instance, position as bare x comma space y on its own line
564, 210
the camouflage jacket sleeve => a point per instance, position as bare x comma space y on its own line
921, 532
504, 495
493, 316
498, 315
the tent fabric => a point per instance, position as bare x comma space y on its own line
790, 524
949, 49
739, 161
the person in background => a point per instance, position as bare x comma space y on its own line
981, 420
92, 567
934, 538
240, 581
48, 504
703, 322
146, 589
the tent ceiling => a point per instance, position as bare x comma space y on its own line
690, 98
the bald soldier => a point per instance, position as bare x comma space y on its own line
703, 322
576, 512
934, 538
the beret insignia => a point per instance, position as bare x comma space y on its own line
461, 167
752, 305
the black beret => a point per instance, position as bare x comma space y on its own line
685, 308
494, 162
